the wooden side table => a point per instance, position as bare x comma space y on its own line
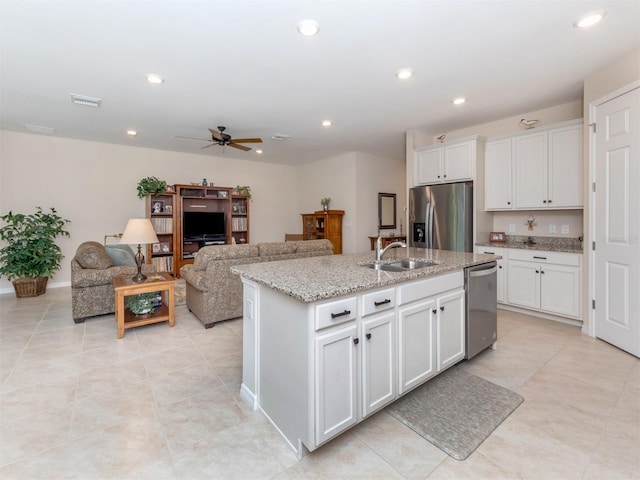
124, 286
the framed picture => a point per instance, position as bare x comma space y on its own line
157, 206
222, 194
170, 189
168, 209
165, 247
497, 237
155, 248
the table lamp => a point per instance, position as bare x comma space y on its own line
139, 231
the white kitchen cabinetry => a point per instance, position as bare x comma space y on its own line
430, 328
498, 187
446, 163
502, 283
541, 169
378, 362
546, 281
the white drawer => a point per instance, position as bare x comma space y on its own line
411, 292
378, 301
503, 252
543, 256
335, 312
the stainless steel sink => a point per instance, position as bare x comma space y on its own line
403, 265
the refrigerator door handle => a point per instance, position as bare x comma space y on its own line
427, 225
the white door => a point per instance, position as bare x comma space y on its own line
451, 330
497, 176
429, 166
524, 284
617, 221
565, 167
336, 387
458, 162
560, 289
416, 344
378, 362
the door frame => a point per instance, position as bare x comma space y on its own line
593, 106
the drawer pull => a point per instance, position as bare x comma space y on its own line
540, 258
356, 341
368, 336
434, 311
489, 253
342, 314
383, 302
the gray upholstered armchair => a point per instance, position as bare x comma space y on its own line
92, 271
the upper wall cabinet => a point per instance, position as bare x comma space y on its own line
453, 162
537, 170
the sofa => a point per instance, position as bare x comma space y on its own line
214, 293
92, 270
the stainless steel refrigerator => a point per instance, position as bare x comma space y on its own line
441, 216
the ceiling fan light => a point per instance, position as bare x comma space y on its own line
259, 151
308, 28
459, 100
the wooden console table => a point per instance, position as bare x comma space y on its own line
386, 240
157, 282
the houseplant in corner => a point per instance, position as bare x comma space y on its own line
325, 203
31, 255
151, 186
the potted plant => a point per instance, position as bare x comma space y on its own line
31, 255
325, 203
151, 186
243, 190
142, 303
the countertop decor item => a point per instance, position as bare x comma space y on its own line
497, 237
31, 255
151, 186
243, 190
325, 203
139, 231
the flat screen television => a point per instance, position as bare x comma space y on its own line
203, 225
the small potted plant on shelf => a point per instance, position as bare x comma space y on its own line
31, 256
325, 203
151, 186
243, 190
142, 303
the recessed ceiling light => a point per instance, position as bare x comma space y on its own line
132, 133
326, 123
459, 100
308, 28
154, 78
589, 19
404, 73
259, 152
86, 101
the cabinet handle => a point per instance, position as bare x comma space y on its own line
549, 201
500, 266
342, 314
434, 311
356, 341
537, 271
368, 336
542, 271
540, 258
489, 253
544, 201
442, 308
445, 176
508, 203
386, 300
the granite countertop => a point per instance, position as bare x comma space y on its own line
548, 244
318, 278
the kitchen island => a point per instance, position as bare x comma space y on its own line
327, 341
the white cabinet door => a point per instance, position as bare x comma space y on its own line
429, 166
560, 289
501, 283
416, 344
565, 167
497, 176
458, 161
335, 382
524, 284
450, 329
378, 362
530, 170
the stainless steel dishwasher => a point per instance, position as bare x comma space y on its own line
482, 320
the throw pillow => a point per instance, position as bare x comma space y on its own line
93, 255
121, 255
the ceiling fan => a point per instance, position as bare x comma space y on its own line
218, 137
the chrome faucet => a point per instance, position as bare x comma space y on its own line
381, 251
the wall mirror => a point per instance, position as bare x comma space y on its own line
386, 210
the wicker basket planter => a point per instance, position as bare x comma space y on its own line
30, 287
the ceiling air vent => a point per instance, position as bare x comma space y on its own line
86, 101
280, 136
40, 130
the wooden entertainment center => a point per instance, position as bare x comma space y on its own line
167, 214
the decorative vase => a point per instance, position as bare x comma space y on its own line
325, 208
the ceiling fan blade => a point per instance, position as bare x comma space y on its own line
247, 140
216, 134
239, 147
193, 138
210, 145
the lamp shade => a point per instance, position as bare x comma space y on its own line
139, 231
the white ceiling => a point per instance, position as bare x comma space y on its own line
242, 64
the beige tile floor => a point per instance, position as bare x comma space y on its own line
163, 403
